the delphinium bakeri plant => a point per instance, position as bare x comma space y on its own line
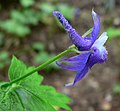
25, 92
90, 49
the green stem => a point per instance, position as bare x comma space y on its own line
43, 65
87, 33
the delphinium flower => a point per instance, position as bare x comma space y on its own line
92, 49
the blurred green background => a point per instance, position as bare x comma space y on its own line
29, 31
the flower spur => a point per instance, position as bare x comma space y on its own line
92, 49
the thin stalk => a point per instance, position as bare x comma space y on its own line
42, 66
87, 33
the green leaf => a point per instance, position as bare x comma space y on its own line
66, 10
54, 98
113, 32
20, 99
47, 8
32, 102
17, 69
32, 16
23, 96
29, 93
38, 46
116, 88
42, 57
10, 101
14, 27
27, 3
18, 16
32, 82
4, 59
4, 55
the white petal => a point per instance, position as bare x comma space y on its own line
69, 84
101, 40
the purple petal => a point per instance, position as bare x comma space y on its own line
75, 63
96, 28
74, 36
79, 76
98, 56
63, 21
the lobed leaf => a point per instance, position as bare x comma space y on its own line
54, 98
28, 94
17, 69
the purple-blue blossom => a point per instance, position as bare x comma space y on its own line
92, 49
80, 42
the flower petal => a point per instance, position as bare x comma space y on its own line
101, 40
79, 76
63, 21
75, 63
74, 36
98, 56
96, 28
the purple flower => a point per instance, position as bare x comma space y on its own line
80, 42
92, 50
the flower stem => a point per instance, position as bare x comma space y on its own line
43, 65
87, 33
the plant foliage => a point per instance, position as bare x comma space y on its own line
116, 88
29, 94
30, 14
113, 32
4, 59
